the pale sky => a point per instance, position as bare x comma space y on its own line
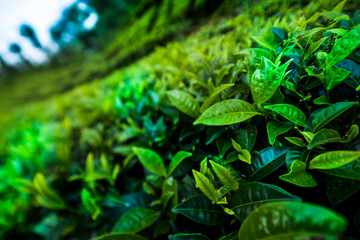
40, 14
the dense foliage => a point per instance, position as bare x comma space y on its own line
247, 129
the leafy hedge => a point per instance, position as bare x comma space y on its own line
246, 130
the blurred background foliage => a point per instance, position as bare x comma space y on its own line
68, 126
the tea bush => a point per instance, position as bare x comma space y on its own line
247, 129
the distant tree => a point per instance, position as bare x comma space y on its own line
15, 48
28, 32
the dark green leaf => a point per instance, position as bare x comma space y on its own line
291, 220
329, 113
340, 189
252, 195
265, 162
120, 236
322, 100
324, 136
247, 137
90, 204
188, 236
200, 209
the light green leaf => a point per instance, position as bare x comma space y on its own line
350, 170
324, 136
329, 113
274, 129
298, 175
265, 81
351, 134
334, 76
308, 136
22, 185
291, 220
322, 100
135, 220
177, 159
333, 159
184, 102
313, 47
224, 175
262, 42
90, 204
296, 141
256, 53
214, 95
290, 112
252, 195
151, 161
227, 112
201, 210
236, 146
205, 186
343, 47
244, 156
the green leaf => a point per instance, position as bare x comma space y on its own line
188, 236
265, 162
266, 81
290, 86
256, 53
177, 159
290, 112
22, 185
296, 141
324, 136
263, 43
244, 156
334, 76
231, 236
351, 134
90, 204
322, 100
298, 175
329, 113
184, 102
313, 47
150, 160
214, 95
201, 210
135, 220
291, 220
227, 112
120, 236
340, 189
350, 170
274, 129
169, 196
205, 186
253, 195
236, 146
343, 47
333, 159
247, 137
224, 175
